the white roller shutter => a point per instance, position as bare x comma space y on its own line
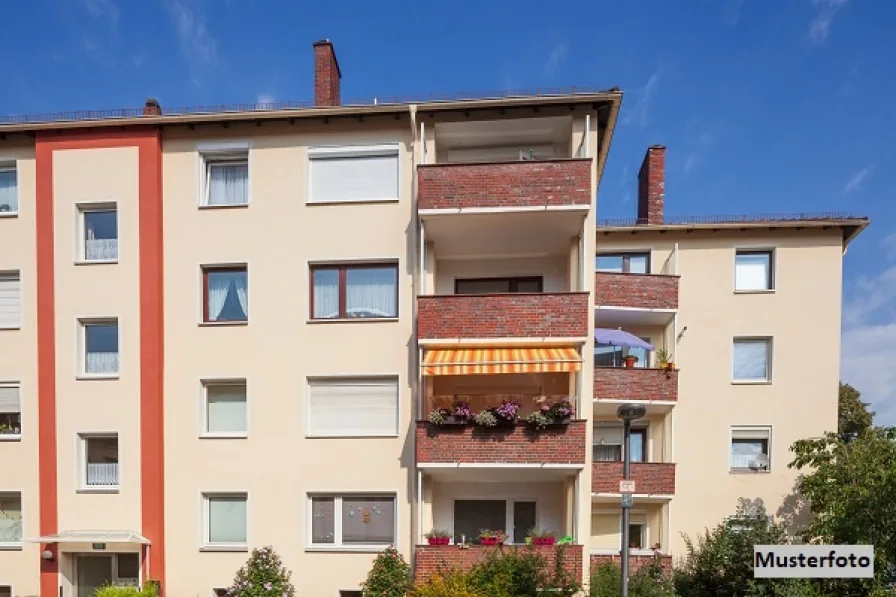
355, 175
353, 407
10, 402
10, 300
607, 436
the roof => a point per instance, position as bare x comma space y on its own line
851, 225
92, 537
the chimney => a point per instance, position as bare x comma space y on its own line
651, 186
152, 107
326, 74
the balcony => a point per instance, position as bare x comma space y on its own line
635, 384
517, 315
515, 444
511, 184
651, 478
657, 292
430, 559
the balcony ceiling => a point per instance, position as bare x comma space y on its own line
497, 474
611, 317
512, 131
509, 234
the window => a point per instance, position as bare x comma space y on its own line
752, 359
100, 339
614, 356
347, 174
353, 407
100, 462
753, 270
498, 285
516, 518
636, 536
352, 521
226, 179
627, 263
523, 520
5, 591
10, 411
226, 294
220, 592
99, 229
608, 442
354, 291
224, 409
9, 190
354, 593
10, 519
750, 448
10, 300
225, 520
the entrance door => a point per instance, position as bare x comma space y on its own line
93, 573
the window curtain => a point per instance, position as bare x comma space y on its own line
102, 362
751, 360
228, 184
218, 284
226, 409
368, 520
10, 518
371, 292
326, 294
100, 235
9, 194
323, 522
607, 453
744, 451
227, 520
241, 284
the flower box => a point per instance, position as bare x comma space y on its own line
439, 540
490, 541
453, 420
544, 541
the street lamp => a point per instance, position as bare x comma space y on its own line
628, 413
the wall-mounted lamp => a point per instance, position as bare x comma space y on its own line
47, 554
681, 333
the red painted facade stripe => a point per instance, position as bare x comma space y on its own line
152, 464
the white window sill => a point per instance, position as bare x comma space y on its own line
96, 261
757, 291
353, 202
108, 489
349, 436
603, 551
11, 546
9, 214
354, 320
243, 435
224, 548
346, 549
214, 324
96, 376
224, 206
10, 437
748, 382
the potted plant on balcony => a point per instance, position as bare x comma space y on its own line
630, 361
664, 359
561, 412
542, 537
461, 413
486, 418
438, 537
439, 416
491, 537
508, 412
540, 418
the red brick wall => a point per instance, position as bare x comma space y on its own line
620, 383
634, 562
646, 291
650, 477
431, 559
518, 444
504, 184
549, 314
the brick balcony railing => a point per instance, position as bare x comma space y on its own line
504, 184
634, 562
430, 559
519, 444
643, 291
652, 478
621, 383
536, 315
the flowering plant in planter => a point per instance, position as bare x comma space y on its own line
541, 418
562, 410
486, 418
462, 411
491, 537
508, 411
542, 537
438, 416
438, 537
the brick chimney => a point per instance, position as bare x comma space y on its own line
326, 74
152, 107
651, 185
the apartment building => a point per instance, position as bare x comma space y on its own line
226, 329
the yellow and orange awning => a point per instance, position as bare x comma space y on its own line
491, 361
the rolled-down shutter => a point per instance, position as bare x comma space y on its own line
9, 400
607, 436
353, 407
10, 301
366, 176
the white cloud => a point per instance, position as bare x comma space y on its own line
638, 114
555, 58
627, 197
104, 9
820, 26
888, 243
197, 45
264, 99
855, 183
704, 140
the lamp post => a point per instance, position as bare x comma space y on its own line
628, 413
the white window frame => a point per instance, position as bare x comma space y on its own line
347, 151
732, 431
14, 273
12, 166
12, 589
83, 322
769, 340
638, 426
310, 381
203, 407
205, 544
81, 236
772, 266
14, 437
15, 545
224, 152
337, 544
82, 439
638, 514
508, 500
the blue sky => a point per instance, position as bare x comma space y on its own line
764, 106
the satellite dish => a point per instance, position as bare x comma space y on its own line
760, 463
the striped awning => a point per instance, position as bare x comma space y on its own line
491, 361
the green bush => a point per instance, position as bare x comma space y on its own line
523, 573
451, 584
389, 577
647, 581
148, 590
263, 575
